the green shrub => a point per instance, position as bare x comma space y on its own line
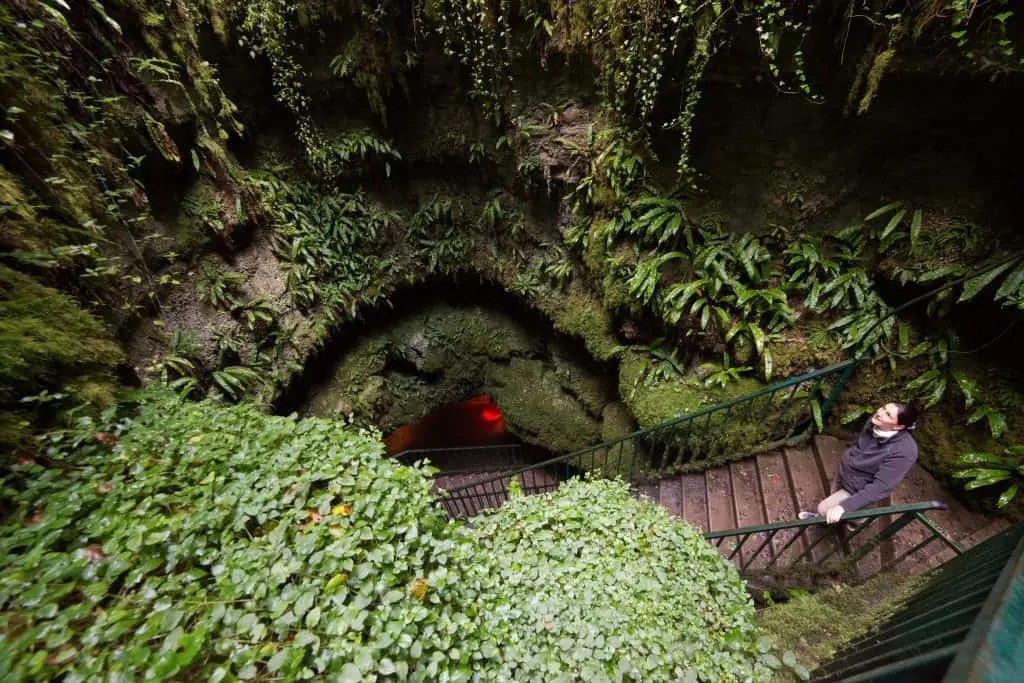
590, 584
219, 543
201, 542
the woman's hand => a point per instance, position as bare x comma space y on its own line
834, 514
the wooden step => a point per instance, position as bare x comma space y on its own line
808, 491
748, 503
670, 493
720, 499
695, 501
778, 503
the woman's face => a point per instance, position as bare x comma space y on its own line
886, 418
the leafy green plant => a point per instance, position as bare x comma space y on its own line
807, 263
645, 281
846, 290
892, 232
261, 546
557, 267
257, 314
659, 219
257, 547
220, 288
361, 145
985, 469
722, 375
233, 381
662, 361
633, 587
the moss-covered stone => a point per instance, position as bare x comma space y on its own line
538, 409
588, 387
581, 315
652, 401
338, 396
48, 343
816, 626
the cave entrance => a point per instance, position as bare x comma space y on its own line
471, 437
474, 422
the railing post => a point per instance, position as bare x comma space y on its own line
826, 405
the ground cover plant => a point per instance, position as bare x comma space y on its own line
219, 544
591, 584
204, 542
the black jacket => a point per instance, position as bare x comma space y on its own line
872, 467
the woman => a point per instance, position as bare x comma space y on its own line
876, 462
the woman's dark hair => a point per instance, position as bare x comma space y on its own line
906, 415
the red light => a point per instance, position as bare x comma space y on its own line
490, 414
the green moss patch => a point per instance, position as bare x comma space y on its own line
52, 350
655, 400
536, 406
815, 626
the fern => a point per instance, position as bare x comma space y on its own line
220, 289
658, 219
233, 381
645, 279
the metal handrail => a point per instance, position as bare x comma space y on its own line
843, 369
906, 514
963, 623
407, 453
989, 650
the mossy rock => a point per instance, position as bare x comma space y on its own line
338, 395
47, 342
588, 387
537, 408
581, 315
471, 331
652, 402
806, 347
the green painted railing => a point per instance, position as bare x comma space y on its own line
783, 545
777, 414
963, 625
994, 647
473, 458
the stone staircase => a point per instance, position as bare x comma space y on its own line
775, 486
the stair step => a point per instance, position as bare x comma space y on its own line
670, 494
695, 501
778, 502
829, 451
809, 490
649, 491
720, 508
749, 508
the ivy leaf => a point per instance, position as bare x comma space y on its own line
277, 661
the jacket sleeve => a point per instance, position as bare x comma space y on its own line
888, 477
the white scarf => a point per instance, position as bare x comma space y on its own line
882, 434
